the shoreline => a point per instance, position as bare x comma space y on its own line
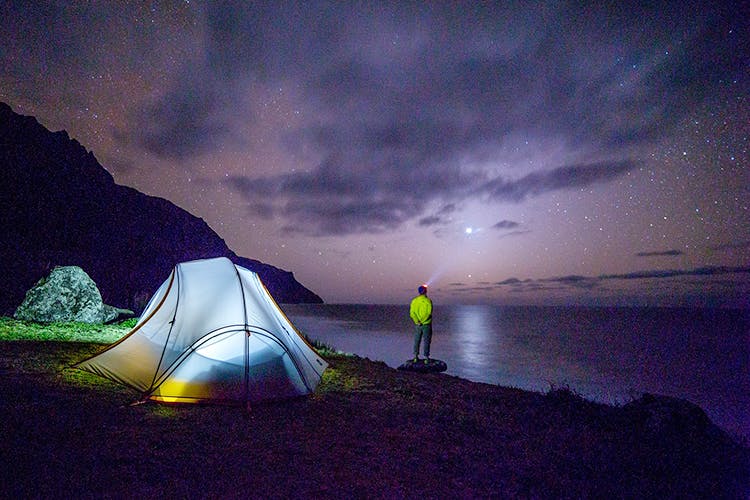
369, 430
606, 355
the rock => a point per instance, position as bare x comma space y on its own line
434, 365
67, 294
663, 414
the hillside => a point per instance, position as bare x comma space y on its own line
369, 431
59, 206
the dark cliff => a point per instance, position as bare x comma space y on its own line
59, 206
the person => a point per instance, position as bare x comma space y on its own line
420, 311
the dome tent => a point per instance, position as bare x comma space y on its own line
212, 333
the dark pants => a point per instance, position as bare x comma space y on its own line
423, 332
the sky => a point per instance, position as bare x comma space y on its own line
501, 152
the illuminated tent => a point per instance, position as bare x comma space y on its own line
212, 332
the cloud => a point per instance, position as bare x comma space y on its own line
514, 234
505, 224
593, 282
197, 110
440, 217
411, 106
333, 200
702, 286
671, 273
576, 281
183, 123
430, 220
665, 253
509, 281
564, 177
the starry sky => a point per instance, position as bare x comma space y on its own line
503, 152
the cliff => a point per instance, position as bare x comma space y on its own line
59, 206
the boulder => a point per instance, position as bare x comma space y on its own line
422, 366
67, 294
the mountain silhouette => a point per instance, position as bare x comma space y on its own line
59, 206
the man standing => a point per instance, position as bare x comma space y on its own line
421, 313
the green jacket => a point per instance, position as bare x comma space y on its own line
421, 310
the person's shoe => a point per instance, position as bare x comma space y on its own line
427, 361
416, 359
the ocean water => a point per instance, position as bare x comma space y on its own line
610, 355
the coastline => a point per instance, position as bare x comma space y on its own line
369, 430
606, 355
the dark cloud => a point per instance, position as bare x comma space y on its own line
196, 112
716, 286
440, 217
575, 281
671, 273
415, 105
591, 282
534, 287
347, 193
430, 220
708, 286
514, 234
408, 96
509, 281
665, 253
565, 177
183, 123
333, 201
569, 279
335, 118
505, 224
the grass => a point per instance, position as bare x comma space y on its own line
368, 431
322, 348
13, 329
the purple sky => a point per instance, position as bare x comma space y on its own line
511, 152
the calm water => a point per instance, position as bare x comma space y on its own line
605, 354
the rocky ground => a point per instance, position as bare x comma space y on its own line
369, 431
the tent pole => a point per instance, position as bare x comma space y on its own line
247, 368
247, 338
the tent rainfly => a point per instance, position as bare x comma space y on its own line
212, 333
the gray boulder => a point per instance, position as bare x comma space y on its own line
67, 294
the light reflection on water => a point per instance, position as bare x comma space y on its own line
472, 335
606, 354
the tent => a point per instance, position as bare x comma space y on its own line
212, 333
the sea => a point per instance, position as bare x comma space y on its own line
606, 354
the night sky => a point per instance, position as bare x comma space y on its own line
513, 153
